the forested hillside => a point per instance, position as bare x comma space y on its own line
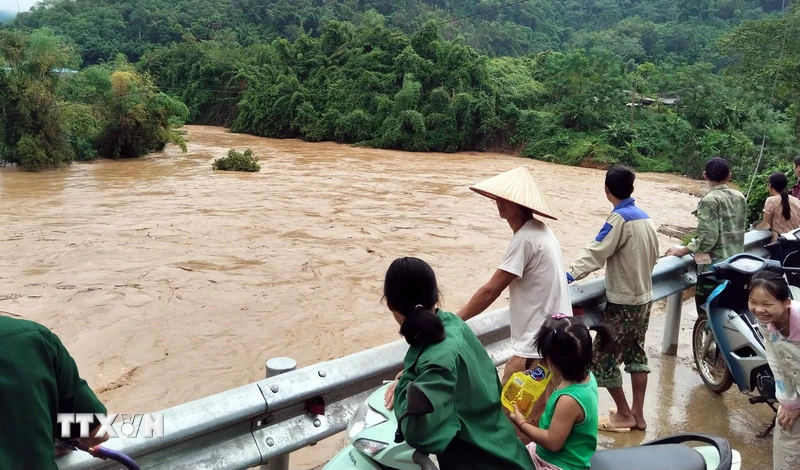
654, 30
661, 85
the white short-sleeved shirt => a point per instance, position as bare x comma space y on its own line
540, 289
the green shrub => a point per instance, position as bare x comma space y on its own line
589, 149
83, 128
357, 126
652, 165
35, 153
31, 154
84, 150
238, 161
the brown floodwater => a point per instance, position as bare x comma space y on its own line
169, 281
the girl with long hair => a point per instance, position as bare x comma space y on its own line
467, 428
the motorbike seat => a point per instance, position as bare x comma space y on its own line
652, 457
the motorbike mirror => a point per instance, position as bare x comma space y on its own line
418, 403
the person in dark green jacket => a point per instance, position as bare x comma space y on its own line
38, 379
467, 429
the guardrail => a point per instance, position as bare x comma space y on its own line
263, 422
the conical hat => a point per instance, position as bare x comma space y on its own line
517, 186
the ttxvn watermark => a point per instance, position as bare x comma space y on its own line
150, 425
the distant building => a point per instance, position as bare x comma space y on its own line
64, 71
641, 100
58, 71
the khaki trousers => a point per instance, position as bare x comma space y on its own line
786, 448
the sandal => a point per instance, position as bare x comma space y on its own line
613, 410
605, 424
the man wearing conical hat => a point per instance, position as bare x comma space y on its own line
532, 268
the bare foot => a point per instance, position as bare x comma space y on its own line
641, 424
623, 421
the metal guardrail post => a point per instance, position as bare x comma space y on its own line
672, 325
278, 366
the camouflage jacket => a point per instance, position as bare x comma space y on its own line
721, 222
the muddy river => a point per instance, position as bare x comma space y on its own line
169, 282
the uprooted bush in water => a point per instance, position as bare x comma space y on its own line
238, 161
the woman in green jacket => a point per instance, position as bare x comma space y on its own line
467, 429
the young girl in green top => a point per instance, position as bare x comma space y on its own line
566, 438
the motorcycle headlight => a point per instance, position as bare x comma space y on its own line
369, 447
364, 418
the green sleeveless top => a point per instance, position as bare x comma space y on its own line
582, 441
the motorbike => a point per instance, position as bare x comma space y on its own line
727, 345
786, 250
376, 443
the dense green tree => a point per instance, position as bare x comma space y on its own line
52, 114
767, 59
31, 66
138, 119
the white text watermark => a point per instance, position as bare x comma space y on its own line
150, 425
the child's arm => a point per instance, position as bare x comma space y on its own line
785, 386
567, 413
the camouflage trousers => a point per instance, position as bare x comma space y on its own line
703, 289
629, 323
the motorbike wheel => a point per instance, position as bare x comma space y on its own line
713, 370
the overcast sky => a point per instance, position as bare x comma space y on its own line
11, 5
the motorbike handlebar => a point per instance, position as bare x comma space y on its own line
101, 453
424, 461
782, 241
106, 453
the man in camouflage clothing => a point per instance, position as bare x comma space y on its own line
721, 222
627, 246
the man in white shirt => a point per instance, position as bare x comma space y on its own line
532, 269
